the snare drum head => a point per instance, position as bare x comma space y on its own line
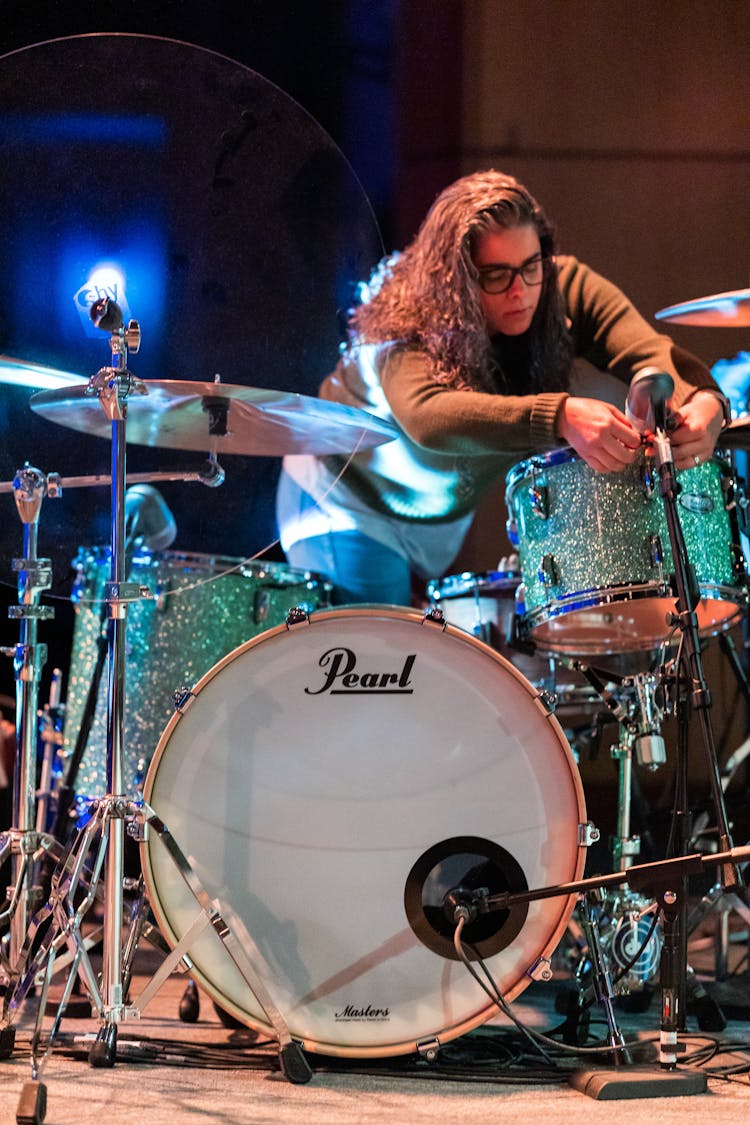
330, 785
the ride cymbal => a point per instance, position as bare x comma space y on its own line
722, 310
737, 434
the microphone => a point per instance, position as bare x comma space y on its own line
148, 518
649, 393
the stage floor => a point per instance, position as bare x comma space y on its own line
169, 1070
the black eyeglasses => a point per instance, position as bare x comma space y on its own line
498, 279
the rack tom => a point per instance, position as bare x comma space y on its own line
596, 559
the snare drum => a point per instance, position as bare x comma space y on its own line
203, 607
332, 782
596, 557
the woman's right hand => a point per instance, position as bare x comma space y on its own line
599, 433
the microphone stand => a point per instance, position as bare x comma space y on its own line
674, 956
662, 880
688, 597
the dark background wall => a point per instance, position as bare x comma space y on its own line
286, 256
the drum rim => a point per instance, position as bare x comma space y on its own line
602, 596
96, 554
567, 903
553, 457
565, 455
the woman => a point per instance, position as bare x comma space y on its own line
469, 341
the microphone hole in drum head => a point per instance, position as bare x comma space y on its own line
469, 863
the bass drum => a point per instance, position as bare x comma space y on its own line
331, 783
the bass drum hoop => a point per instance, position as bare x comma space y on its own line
486, 1009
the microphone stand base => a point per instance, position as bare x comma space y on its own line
637, 1082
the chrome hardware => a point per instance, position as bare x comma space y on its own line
539, 497
549, 574
588, 834
181, 699
655, 551
297, 616
540, 970
728, 488
429, 1049
138, 830
549, 699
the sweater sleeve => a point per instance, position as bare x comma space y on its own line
608, 331
464, 422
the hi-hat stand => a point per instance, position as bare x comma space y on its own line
25, 841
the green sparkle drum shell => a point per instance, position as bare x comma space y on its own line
203, 607
589, 545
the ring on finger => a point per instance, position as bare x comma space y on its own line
697, 459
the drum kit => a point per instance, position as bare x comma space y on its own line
312, 752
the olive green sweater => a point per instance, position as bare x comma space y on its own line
455, 444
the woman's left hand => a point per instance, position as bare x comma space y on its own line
697, 425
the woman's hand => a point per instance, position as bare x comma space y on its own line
697, 425
599, 433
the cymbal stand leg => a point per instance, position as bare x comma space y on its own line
239, 946
69, 876
230, 930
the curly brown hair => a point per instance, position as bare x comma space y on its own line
426, 296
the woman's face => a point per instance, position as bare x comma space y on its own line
508, 248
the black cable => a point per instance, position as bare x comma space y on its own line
536, 1036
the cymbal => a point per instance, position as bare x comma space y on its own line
17, 372
179, 414
737, 434
722, 310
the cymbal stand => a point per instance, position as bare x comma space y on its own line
23, 840
110, 814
